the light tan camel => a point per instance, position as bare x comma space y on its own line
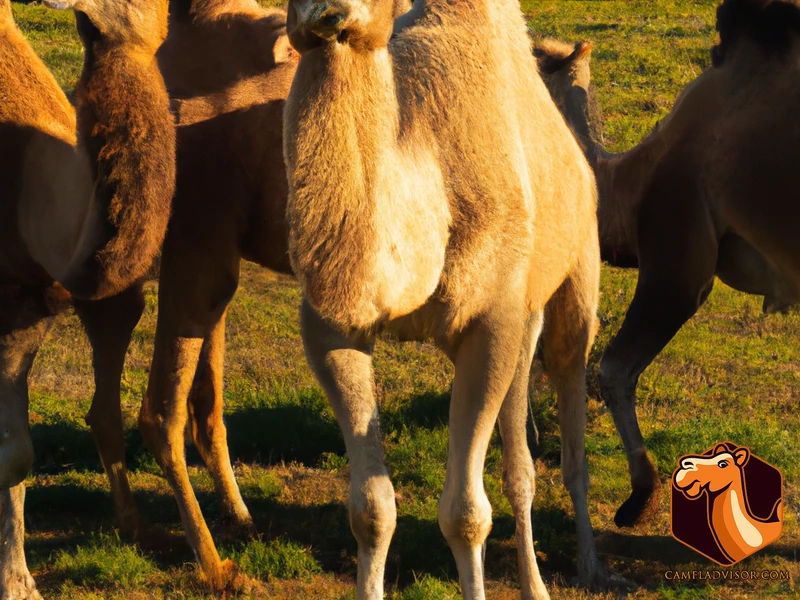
720, 478
435, 192
711, 203
229, 67
86, 207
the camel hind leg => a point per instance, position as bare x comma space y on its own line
24, 322
208, 429
518, 470
569, 331
109, 324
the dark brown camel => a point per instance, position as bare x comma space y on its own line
709, 191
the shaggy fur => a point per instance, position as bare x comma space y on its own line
95, 218
435, 191
770, 23
120, 74
88, 207
691, 204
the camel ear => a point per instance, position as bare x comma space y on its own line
741, 456
283, 50
582, 50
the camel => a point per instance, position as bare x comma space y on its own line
566, 71
720, 477
230, 196
436, 192
85, 205
689, 203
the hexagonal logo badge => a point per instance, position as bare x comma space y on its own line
726, 503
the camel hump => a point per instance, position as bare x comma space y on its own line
770, 23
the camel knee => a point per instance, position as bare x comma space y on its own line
154, 434
519, 482
16, 455
373, 513
465, 520
575, 474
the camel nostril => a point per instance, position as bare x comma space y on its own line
687, 463
332, 19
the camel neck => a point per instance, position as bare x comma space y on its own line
359, 188
621, 182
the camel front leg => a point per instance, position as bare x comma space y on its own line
344, 369
109, 324
675, 278
16, 582
519, 474
209, 433
486, 357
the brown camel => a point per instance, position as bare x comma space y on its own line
86, 207
689, 202
228, 66
566, 72
436, 192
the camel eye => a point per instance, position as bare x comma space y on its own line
722, 464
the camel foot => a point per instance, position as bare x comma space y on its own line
18, 585
233, 582
641, 505
233, 529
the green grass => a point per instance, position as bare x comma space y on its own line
731, 373
105, 563
279, 559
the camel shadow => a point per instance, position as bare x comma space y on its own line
286, 432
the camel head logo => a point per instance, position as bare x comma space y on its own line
726, 503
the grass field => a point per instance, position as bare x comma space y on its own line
731, 373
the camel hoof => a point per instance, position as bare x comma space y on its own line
234, 583
641, 505
19, 586
232, 530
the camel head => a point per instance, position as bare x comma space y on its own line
566, 71
140, 23
363, 25
713, 473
